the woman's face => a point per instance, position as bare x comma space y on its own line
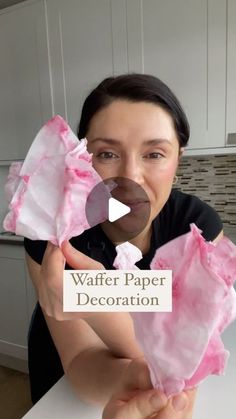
136, 141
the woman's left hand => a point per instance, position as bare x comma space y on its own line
133, 398
149, 404
135, 405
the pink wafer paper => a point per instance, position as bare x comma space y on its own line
184, 346
49, 190
127, 256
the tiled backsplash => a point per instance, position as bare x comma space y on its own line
212, 179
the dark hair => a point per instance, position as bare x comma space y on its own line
135, 88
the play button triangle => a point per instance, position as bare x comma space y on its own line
116, 209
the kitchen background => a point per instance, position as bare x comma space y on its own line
212, 178
53, 52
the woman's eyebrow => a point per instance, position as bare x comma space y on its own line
105, 140
155, 141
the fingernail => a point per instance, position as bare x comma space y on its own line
157, 401
179, 402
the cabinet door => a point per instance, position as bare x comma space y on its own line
231, 75
183, 43
13, 308
80, 34
25, 99
17, 301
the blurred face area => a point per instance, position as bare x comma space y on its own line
136, 141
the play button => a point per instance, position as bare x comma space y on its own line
121, 206
116, 209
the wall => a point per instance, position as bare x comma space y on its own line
212, 179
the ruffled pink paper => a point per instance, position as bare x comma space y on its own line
184, 346
127, 256
48, 192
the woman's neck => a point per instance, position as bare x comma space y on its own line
143, 240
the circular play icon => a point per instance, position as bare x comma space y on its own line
121, 204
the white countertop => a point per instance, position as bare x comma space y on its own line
62, 403
216, 396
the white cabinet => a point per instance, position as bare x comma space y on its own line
87, 42
25, 98
81, 51
55, 51
184, 44
17, 300
231, 75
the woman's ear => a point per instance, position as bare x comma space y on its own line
181, 152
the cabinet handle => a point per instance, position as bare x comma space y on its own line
231, 139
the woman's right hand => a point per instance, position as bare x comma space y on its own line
50, 278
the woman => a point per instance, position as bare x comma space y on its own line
135, 129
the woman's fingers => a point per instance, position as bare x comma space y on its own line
78, 260
137, 375
53, 262
176, 408
50, 290
51, 286
141, 406
180, 402
138, 404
